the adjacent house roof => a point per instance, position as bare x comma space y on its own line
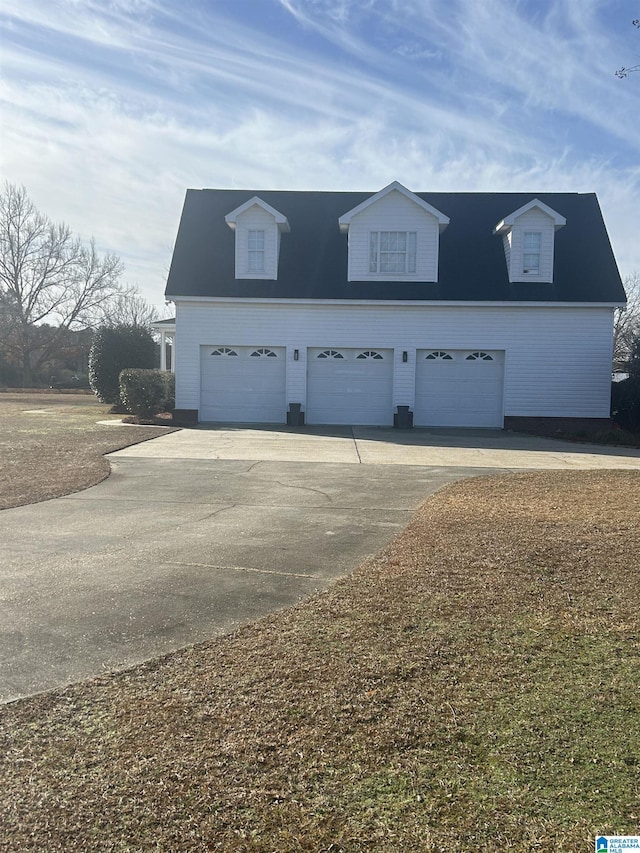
313, 256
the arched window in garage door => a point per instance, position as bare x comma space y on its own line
330, 353
264, 353
369, 353
439, 355
224, 351
479, 356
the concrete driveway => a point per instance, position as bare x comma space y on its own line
449, 448
200, 531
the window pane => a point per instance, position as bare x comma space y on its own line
373, 251
531, 251
392, 262
256, 261
255, 245
392, 251
532, 241
256, 241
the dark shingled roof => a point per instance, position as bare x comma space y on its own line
313, 256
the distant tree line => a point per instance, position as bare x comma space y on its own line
55, 291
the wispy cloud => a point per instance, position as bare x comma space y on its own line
112, 108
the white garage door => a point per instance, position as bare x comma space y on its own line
244, 384
350, 386
459, 388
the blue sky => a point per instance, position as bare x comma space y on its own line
112, 108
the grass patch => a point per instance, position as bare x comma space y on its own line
474, 686
52, 445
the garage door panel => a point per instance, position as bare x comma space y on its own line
459, 388
237, 385
350, 386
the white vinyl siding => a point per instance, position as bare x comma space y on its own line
394, 214
557, 360
506, 241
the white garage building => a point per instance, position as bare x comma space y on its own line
437, 309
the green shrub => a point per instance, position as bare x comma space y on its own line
143, 392
113, 349
625, 404
170, 392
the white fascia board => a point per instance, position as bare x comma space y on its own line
345, 219
248, 300
280, 219
508, 222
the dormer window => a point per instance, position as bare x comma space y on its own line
393, 235
532, 242
258, 227
528, 237
256, 250
392, 252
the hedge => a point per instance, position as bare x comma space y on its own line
146, 392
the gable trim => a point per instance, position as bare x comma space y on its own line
281, 220
508, 222
345, 220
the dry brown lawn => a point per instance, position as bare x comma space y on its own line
52, 445
473, 687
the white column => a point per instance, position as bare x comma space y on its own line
163, 350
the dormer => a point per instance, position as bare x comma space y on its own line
528, 235
393, 236
258, 227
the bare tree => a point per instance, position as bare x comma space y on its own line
128, 308
624, 72
626, 327
47, 276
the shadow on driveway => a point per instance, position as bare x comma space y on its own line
485, 448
